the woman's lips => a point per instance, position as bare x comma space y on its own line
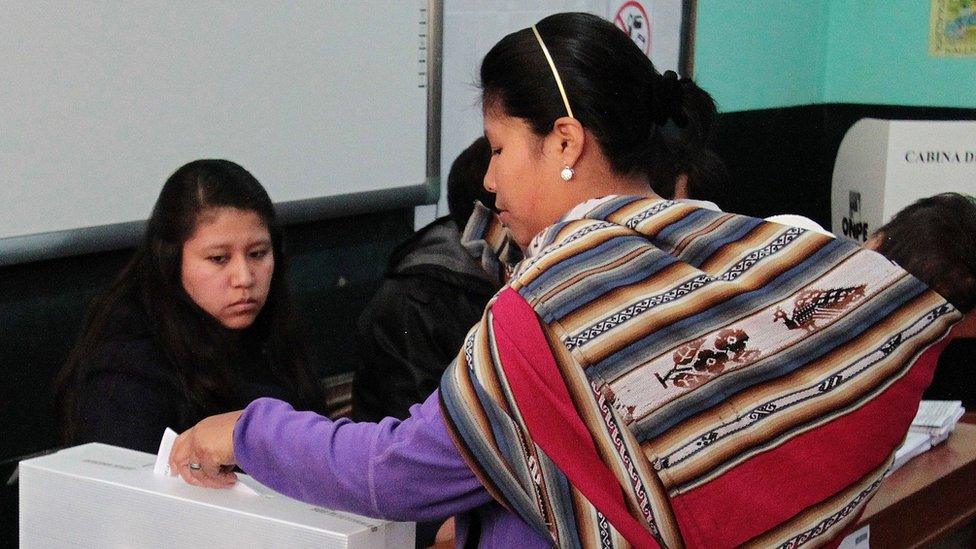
243, 306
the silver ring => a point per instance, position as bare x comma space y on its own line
194, 466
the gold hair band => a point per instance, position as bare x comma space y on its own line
555, 73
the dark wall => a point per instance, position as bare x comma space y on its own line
335, 266
782, 160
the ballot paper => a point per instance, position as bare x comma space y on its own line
97, 495
162, 456
162, 464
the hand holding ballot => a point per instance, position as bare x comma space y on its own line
204, 454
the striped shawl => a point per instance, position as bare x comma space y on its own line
665, 375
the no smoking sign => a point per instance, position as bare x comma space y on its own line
632, 18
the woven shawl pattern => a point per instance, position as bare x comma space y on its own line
700, 349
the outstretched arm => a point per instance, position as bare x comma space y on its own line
400, 470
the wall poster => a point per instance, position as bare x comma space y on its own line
952, 28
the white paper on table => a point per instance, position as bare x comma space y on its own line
914, 444
162, 462
938, 413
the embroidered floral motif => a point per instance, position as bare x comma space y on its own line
813, 305
687, 352
685, 380
710, 361
731, 340
696, 362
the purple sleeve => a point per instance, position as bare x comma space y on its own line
405, 470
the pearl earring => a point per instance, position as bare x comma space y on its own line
567, 173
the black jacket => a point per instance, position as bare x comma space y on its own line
434, 291
954, 378
129, 393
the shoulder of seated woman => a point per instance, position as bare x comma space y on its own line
137, 356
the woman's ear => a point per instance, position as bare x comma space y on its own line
566, 140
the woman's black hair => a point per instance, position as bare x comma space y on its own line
466, 182
645, 123
203, 354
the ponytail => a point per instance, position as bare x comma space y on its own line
679, 143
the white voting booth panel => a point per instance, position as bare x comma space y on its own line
104, 496
884, 165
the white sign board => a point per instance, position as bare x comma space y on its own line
884, 165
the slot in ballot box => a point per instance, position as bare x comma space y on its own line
884, 165
97, 495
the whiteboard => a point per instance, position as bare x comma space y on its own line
327, 103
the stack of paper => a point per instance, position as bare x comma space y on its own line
937, 418
915, 444
933, 422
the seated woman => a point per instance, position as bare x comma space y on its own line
196, 324
652, 374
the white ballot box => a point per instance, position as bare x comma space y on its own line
97, 495
884, 165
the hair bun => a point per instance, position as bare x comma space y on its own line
666, 99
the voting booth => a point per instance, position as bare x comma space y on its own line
97, 495
884, 165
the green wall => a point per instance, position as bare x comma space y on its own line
759, 54
877, 52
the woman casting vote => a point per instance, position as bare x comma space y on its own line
653, 374
196, 324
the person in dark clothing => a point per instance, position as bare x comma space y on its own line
934, 238
434, 290
196, 324
436, 286
944, 226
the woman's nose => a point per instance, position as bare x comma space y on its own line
489, 182
242, 276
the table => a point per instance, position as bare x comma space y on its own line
929, 497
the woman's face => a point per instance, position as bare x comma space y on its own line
524, 175
227, 265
